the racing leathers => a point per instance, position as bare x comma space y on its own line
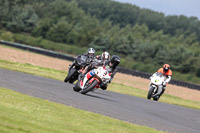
112, 71
89, 60
93, 64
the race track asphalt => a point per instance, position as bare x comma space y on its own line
158, 115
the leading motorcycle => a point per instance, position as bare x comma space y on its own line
156, 86
92, 80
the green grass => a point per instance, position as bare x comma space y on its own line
20, 113
120, 88
166, 98
35, 70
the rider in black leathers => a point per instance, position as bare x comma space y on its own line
91, 57
112, 69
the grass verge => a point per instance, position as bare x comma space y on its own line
166, 98
20, 113
60, 75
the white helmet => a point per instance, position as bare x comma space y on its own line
91, 52
105, 56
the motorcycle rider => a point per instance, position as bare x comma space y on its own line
112, 69
91, 56
104, 58
165, 70
100, 60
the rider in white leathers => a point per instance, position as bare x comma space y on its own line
165, 70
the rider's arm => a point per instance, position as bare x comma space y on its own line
96, 64
92, 65
168, 78
112, 75
98, 57
73, 63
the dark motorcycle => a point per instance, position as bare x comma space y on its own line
79, 64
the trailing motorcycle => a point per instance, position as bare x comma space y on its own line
78, 65
92, 80
156, 86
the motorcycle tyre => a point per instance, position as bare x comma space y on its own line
70, 74
150, 93
156, 98
76, 87
90, 87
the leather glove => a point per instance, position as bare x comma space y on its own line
164, 84
110, 81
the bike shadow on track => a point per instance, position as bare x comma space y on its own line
100, 97
100, 93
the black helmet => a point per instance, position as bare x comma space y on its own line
115, 60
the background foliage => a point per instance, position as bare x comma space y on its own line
143, 38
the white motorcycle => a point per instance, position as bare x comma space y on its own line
92, 80
156, 86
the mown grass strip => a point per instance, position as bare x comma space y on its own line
120, 88
20, 113
166, 98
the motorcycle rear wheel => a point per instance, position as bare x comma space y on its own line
156, 98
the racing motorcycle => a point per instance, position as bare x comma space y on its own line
156, 86
92, 80
79, 64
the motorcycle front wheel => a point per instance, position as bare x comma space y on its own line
70, 74
76, 87
150, 93
90, 87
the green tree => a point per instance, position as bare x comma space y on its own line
43, 26
59, 32
23, 19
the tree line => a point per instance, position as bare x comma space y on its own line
143, 38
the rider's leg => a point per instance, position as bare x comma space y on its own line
160, 88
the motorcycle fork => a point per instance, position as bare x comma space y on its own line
87, 77
158, 91
155, 90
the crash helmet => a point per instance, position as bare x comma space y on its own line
115, 60
91, 52
166, 68
105, 56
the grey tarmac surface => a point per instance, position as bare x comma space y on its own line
158, 115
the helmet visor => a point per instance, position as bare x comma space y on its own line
166, 69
